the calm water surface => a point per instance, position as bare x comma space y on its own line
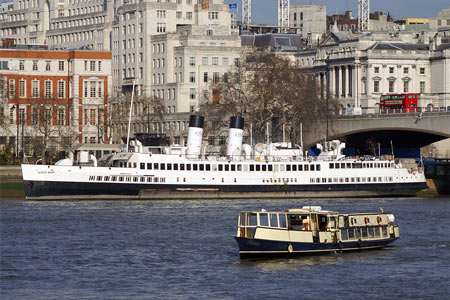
186, 250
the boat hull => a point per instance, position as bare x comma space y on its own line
261, 248
35, 189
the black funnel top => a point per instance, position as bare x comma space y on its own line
237, 122
196, 121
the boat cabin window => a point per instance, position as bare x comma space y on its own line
264, 168
331, 165
220, 167
156, 166
149, 166
208, 167
169, 167
248, 219
300, 167
252, 168
270, 168
227, 167
239, 167
306, 167
188, 167
298, 222
163, 166
258, 167
195, 167
142, 166
175, 167
274, 220
263, 219
233, 167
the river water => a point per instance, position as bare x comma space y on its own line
186, 250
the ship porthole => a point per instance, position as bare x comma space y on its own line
340, 244
290, 248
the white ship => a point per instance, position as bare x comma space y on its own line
181, 172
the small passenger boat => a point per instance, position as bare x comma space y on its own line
311, 230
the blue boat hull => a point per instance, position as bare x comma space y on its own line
259, 247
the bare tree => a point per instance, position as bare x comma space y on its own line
264, 87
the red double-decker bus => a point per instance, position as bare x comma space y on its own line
399, 103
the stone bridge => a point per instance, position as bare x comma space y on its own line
402, 130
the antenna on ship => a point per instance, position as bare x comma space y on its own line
129, 118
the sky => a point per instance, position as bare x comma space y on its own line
265, 11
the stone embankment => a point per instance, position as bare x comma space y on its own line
10, 173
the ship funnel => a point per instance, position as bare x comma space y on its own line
234, 146
194, 140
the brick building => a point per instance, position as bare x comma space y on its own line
51, 100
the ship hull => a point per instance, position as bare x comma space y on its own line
261, 248
36, 189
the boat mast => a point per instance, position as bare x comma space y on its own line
129, 117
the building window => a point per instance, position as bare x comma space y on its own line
47, 66
192, 61
92, 116
61, 65
48, 89
21, 65
405, 86
391, 70
376, 70
204, 61
48, 116
92, 89
22, 88
12, 88
161, 27
213, 15
225, 61
210, 32
99, 66
161, 13
391, 86
216, 77
376, 86
189, 15
35, 116
215, 61
192, 93
35, 88
191, 76
61, 89
406, 70
100, 89
422, 87
422, 71
61, 116
205, 77
35, 65
179, 15
92, 66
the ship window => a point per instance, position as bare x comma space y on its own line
114, 178
276, 168
194, 167
363, 179
364, 232
175, 167
121, 178
235, 180
371, 165
106, 178
220, 167
282, 220
306, 167
336, 165
341, 179
379, 179
311, 180
330, 180
222, 180
149, 179
252, 220
318, 180
184, 179
214, 167
188, 167
342, 165
208, 167
324, 180
376, 231
347, 179
99, 178
317, 167
288, 168
142, 166
264, 168
233, 167
353, 179
331, 165
270, 168
300, 167
344, 234
239, 168
163, 166
142, 179
227, 167
169, 167
263, 219
135, 179
156, 166
273, 220
128, 178
156, 179
349, 165
282, 168
370, 230
384, 231
134, 165
149, 166
294, 168
163, 179
245, 168
374, 179
181, 167
258, 167
369, 179
351, 233
252, 168
201, 167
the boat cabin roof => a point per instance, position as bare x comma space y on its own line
310, 210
